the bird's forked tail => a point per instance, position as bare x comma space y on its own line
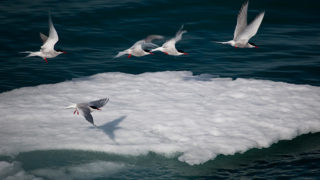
156, 49
225, 42
30, 53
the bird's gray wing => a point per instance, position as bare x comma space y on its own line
252, 28
121, 53
85, 111
150, 38
137, 46
43, 37
99, 103
241, 21
147, 42
179, 34
149, 46
171, 43
52, 38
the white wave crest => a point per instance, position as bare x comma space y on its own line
164, 112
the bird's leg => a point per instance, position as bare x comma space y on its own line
151, 53
45, 60
129, 56
76, 111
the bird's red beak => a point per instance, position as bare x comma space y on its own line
64, 52
151, 53
185, 53
256, 47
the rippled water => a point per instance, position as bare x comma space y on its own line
93, 32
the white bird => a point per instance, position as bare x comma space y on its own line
87, 108
169, 47
47, 49
140, 48
244, 32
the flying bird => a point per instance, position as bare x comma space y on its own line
140, 48
169, 47
86, 108
47, 49
244, 32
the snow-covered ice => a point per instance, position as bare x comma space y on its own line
164, 112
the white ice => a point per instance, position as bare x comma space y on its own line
164, 112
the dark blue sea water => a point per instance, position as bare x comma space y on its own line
92, 32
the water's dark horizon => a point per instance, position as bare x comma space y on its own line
92, 32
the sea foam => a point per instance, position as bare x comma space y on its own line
197, 117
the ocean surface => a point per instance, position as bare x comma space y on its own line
217, 113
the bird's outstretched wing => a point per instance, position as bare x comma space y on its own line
251, 29
135, 47
139, 46
99, 103
148, 46
52, 38
179, 34
241, 21
150, 38
172, 42
43, 37
85, 111
147, 42
121, 53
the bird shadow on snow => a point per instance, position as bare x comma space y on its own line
110, 127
